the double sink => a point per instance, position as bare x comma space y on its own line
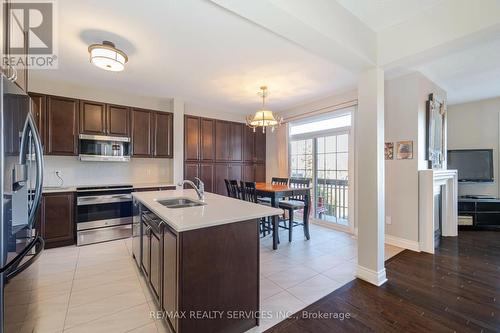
175, 203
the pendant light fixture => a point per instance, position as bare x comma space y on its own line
263, 117
107, 56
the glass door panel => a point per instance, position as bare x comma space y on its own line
331, 188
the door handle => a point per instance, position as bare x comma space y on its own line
30, 127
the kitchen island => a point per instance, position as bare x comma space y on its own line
200, 258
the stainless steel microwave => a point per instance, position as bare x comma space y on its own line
104, 148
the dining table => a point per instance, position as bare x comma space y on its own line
277, 192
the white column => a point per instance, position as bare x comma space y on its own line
370, 185
178, 163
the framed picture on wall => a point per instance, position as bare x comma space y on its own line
389, 150
404, 150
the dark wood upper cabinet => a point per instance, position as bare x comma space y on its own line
191, 138
61, 137
142, 125
207, 148
92, 118
118, 120
222, 140
163, 134
57, 219
260, 146
236, 141
38, 105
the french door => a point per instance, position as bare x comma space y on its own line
326, 159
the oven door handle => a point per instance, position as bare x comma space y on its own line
104, 199
13, 268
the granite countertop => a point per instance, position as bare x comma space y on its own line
218, 209
56, 189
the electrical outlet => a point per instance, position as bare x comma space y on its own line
388, 220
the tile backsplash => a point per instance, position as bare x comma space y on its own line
75, 172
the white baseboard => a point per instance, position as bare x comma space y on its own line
403, 243
371, 276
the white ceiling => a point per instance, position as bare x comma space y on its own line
190, 49
470, 74
381, 14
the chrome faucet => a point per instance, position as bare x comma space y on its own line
200, 189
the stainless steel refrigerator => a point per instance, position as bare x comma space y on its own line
21, 167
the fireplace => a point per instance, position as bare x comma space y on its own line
438, 204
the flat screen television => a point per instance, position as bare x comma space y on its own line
473, 165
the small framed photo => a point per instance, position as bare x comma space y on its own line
389, 150
404, 150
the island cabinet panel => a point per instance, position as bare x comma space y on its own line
170, 271
202, 270
207, 147
222, 140
92, 118
155, 263
234, 286
57, 219
61, 135
118, 120
142, 124
191, 138
146, 250
38, 107
163, 134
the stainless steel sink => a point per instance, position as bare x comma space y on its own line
180, 203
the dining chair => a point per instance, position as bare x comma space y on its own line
235, 189
249, 193
295, 203
232, 188
279, 181
274, 181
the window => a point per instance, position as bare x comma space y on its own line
301, 158
321, 125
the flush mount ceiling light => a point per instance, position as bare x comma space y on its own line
263, 118
107, 56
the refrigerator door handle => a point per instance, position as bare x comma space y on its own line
15, 268
30, 127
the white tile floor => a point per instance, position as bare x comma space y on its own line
98, 288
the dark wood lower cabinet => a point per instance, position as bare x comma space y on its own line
203, 270
57, 223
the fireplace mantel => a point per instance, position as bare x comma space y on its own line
431, 182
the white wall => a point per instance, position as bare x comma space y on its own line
405, 114
324, 104
195, 109
476, 125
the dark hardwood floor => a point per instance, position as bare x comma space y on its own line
455, 290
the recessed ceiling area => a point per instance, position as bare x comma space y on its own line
468, 75
190, 49
382, 14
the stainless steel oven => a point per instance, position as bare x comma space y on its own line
103, 213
